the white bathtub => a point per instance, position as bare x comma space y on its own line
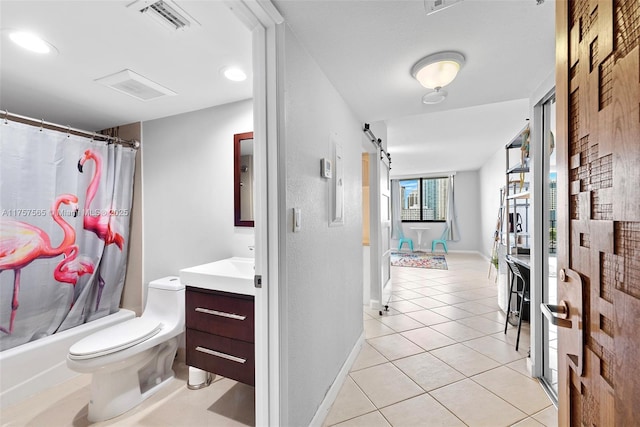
38, 365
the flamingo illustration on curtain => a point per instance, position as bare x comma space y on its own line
73, 266
100, 223
22, 243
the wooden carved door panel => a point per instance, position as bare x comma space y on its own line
598, 99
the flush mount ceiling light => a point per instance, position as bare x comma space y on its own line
31, 42
438, 70
234, 74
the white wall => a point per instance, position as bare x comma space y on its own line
467, 199
492, 179
321, 285
188, 189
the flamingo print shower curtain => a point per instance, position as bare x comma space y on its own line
65, 202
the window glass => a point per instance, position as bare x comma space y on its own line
423, 199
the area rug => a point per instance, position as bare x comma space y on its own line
418, 260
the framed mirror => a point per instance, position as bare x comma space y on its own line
243, 179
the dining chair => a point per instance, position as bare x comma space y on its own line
442, 240
402, 240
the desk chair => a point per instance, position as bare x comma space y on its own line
442, 240
521, 291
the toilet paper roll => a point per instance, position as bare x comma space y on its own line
197, 377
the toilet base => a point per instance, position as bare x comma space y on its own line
116, 391
101, 410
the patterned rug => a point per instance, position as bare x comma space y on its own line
418, 260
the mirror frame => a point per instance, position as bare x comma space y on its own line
237, 139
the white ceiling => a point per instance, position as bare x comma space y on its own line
99, 38
366, 48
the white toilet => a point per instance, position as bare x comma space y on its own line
132, 360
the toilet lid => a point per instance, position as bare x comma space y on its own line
115, 338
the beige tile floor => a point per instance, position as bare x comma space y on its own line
440, 357
420, 366
224, 403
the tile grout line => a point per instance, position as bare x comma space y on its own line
479, 295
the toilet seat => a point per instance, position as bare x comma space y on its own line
116, 338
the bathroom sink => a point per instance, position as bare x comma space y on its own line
233, 275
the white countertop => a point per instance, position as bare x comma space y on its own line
234, 275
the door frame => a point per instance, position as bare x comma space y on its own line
540, 227
369, 150
265, 23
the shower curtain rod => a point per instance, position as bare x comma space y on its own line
54, 126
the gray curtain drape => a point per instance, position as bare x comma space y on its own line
396, 206
452, 217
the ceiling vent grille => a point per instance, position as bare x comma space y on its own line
133, 84
165, 12
433, 6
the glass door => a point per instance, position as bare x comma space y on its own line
549, 280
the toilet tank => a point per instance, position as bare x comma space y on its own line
165, 300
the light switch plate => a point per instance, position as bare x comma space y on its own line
297, 220
326, 168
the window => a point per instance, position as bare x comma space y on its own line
423, 199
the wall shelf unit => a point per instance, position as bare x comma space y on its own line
514, 236
516, 225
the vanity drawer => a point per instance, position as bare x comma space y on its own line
220, 355
220, 313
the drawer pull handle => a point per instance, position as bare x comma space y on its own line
222, 355
221, 313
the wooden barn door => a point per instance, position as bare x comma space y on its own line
598, 142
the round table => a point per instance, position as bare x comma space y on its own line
420, 230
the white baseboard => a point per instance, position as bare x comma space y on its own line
460, 251
330, 397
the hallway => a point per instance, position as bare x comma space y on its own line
439, 357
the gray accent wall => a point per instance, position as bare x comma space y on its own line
321, 285
188, 188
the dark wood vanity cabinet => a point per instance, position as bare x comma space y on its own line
220, 333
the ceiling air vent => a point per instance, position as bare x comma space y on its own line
133, 84
433, 6
165, 12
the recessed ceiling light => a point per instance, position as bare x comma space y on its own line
234, 74
30, 42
